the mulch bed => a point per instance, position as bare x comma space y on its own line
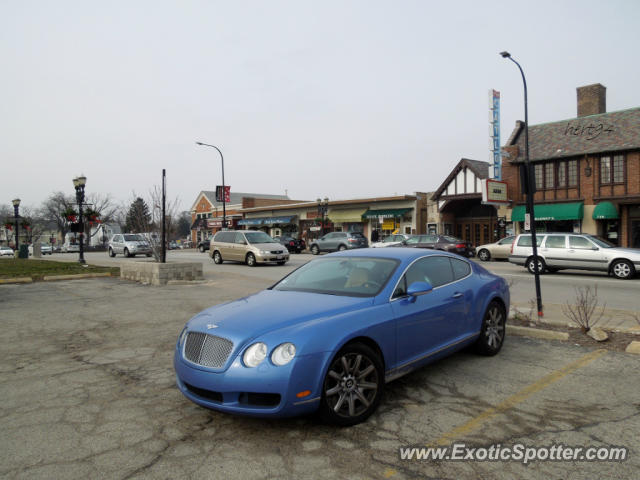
617, 341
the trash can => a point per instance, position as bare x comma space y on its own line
24, 251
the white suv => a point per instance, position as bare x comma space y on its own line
579, 251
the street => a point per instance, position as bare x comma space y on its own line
557, 288
88, 391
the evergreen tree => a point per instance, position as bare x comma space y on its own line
138, 218
184, 225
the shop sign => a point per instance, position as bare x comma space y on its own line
388, 225
211, 223
494, 191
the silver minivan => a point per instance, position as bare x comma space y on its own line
129, 244
579, 251
248, 246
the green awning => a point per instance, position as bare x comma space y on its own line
550, 211
605, 211
350, 215
388, 213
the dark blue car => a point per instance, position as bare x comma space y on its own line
328, 336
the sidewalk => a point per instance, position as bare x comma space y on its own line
615, 320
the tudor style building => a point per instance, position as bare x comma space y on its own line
462, 211
586, 169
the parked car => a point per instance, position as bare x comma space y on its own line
445, 243
45, 249
6, 251
335, 241
250, 247
337, 329
391, 241
295, 245
580, 251
204, 245
70, 247
129, 245
495, 250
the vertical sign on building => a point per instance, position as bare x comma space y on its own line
494, 133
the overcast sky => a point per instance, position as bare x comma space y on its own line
339, 99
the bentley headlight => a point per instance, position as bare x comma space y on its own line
255, 354
283, 354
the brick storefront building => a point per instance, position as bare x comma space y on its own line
207, 213
586, 169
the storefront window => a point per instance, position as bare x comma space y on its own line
611, 231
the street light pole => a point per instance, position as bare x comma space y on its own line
16, 205
529, 184
79, 183
322, 210
224, 203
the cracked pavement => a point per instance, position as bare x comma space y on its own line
87, 390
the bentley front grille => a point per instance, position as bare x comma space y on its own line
207, 350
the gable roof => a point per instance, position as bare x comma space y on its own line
605, 132
480, 168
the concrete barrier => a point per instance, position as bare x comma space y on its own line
160, 273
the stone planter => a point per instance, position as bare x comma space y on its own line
160, 273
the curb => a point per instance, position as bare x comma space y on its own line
537, 333
53, 278
16, 280
635, 330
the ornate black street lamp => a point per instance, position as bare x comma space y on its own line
224, 203
323, 205
16, 214
79, 183
528, 181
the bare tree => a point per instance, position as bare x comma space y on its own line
104, 205
6, 216
148, 220
53, 209
171, 219
583, 313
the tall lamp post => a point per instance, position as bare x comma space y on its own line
16, 215
79, 183
224, 203
323, 205
528, 181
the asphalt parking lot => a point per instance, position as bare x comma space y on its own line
87, 389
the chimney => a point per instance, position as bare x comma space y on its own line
592, 100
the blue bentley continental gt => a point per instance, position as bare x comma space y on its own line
328, 336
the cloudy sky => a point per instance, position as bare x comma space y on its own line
339, 99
